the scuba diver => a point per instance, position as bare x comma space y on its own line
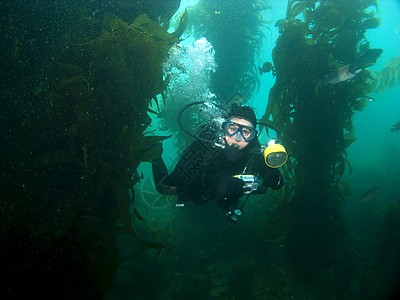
224, 166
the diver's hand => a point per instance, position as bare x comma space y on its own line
229, 187
274, 180
233, 188
261, 190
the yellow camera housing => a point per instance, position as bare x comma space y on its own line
275, 155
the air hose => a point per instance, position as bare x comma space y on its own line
183, 127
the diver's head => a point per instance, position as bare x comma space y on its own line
242, 112
240, 127
238, 132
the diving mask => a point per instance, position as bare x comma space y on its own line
275, 154
231, 128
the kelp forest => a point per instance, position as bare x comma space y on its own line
73, 121
236, 32
84, 90
315, 122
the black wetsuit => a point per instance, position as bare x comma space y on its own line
206, 172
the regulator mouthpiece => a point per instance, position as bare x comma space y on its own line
275, 154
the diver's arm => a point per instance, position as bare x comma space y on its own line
274, 182
273, 179
187, 174
228, 186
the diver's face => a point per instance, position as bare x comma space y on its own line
237, 139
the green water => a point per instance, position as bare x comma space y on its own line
75, 90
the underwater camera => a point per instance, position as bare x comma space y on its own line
251, 183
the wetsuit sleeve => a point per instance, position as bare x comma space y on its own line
188, 172
190, 168
272, 178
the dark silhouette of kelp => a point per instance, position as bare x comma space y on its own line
73, 137
315, 123
388, 236
236, 32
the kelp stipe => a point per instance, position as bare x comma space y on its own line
76, 159
236, 32
316, 127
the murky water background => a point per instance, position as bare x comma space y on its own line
75, 87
